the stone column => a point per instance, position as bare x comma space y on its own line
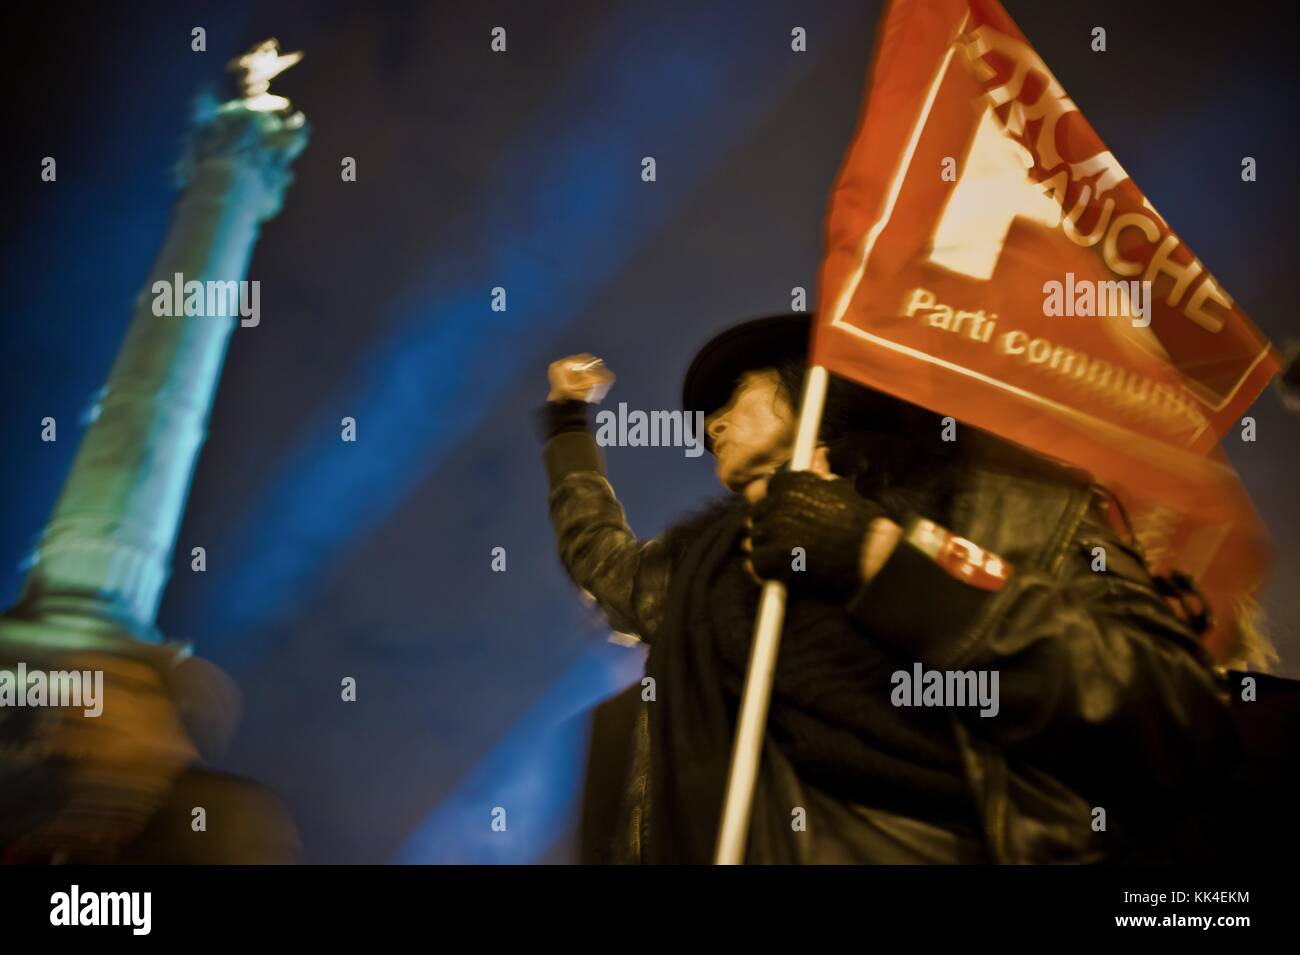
104, 557
80, 785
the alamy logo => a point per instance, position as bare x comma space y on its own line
84, 688
103, 908
658, 429
922, 687
210, 299
1085, 298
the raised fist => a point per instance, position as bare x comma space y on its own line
582, 377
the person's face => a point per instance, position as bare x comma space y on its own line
753, 434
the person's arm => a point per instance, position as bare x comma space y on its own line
1095, 670
627, 578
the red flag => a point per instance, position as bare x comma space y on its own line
988, 258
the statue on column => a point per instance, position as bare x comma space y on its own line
103, 722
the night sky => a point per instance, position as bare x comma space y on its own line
522, 170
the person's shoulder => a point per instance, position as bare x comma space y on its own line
992, 454
1025, 506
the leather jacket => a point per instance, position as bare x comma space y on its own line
1111, 710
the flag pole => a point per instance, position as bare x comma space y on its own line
747, 750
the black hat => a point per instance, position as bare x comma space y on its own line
758, 343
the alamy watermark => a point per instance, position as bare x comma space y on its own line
21, 687
133, 910
654, 429
922, 687
210, 299
1086, 298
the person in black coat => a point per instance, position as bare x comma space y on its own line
962, 568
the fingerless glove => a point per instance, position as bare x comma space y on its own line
827, 518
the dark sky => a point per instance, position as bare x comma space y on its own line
477, 170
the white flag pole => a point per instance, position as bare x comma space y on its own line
747, 749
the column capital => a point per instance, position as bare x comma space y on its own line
233, 135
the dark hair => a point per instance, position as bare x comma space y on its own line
893, 451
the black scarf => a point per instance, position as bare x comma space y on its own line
830, 714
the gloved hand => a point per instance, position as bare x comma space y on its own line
827, 518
